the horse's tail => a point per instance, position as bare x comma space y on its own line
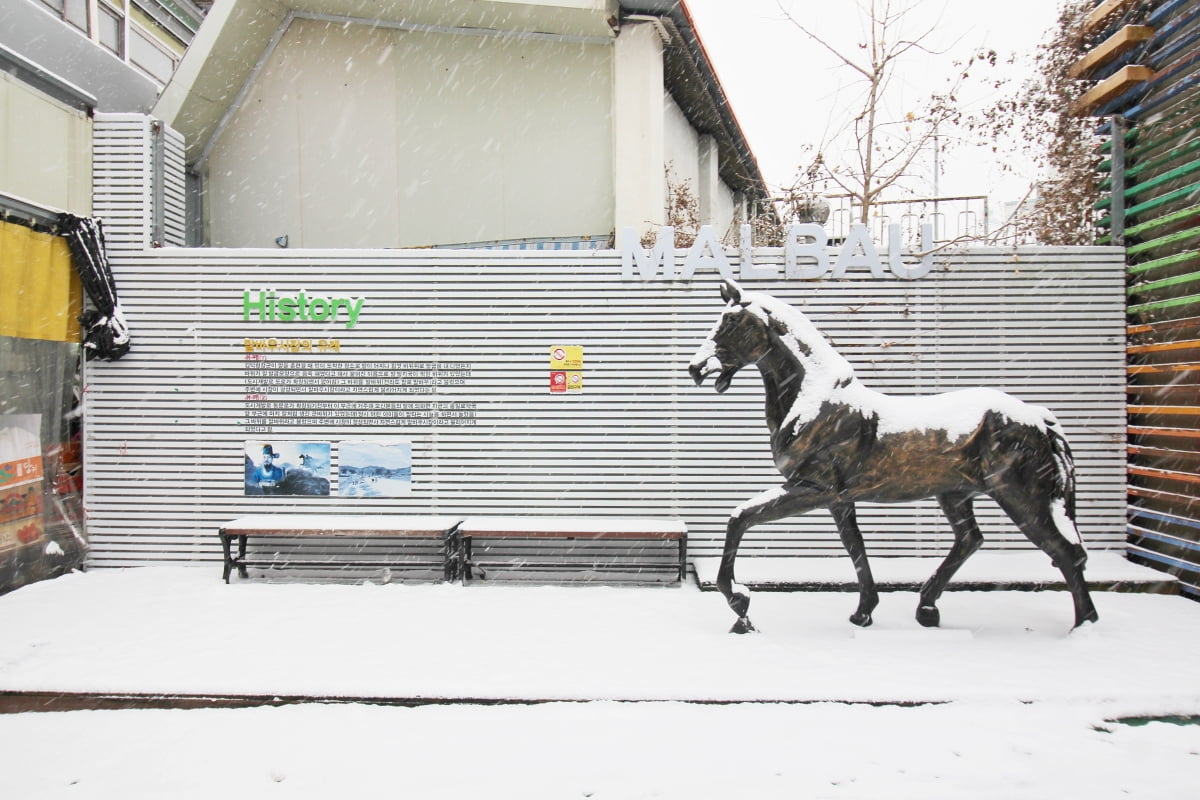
1064, 466
1044, 457
1064, 489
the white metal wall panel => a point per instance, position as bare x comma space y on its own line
166, 424
124, 177
174, 189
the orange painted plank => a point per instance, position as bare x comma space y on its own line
1184, 410
1159, 347
1159, 452
1174, 498
1113, 86
1174, 433
1112, 47
1102, 11
1138, 328
1172, 475
1160, 369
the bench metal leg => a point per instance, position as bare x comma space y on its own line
683, 558
225, 545
452, 555
230, 561
464, 559
241, 559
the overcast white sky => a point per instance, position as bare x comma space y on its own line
784, 88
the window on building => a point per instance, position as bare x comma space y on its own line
151, 34
110, 29
147, 54
73, 11
76, 13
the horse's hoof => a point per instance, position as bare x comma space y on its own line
743, 625
861, 619
1090, 616
929, 616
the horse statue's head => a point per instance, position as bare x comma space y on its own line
740, 337
753, 325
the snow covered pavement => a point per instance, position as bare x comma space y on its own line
1002, 701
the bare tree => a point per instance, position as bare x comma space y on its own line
883, 145
1035, 114
682, 211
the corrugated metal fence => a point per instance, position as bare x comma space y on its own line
451, 353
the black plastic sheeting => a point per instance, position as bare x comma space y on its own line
105, 334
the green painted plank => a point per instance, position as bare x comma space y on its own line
1169, 219
1162, 263
1180, 117
1141, 136
1154, 183
1153, 164
1131, 136
1159, 305
1157, 202
1164, 241
1148, 141
1165, 283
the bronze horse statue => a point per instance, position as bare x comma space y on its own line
838, 442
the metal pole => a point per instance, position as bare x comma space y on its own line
935, 182
158, 188
1117, 180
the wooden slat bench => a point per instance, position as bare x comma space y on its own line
567, 528
344, 525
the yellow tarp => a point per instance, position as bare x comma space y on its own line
40, 294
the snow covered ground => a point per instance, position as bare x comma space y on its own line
1002, 701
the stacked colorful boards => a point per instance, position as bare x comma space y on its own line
1144, 56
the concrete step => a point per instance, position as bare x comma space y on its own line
1106, 571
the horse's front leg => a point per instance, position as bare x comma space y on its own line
766, 507
852, 540
959, 508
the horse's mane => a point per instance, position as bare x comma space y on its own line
798, 334
823, 369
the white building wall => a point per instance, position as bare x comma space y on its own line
682, 145
45, 149
691, 160
638, 128
726, 211
352, 136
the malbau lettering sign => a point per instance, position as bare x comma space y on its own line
806, 256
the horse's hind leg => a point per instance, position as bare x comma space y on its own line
868, 596
959, 509
1043, 525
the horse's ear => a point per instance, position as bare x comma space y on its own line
731, 292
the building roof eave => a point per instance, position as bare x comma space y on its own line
693, 82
